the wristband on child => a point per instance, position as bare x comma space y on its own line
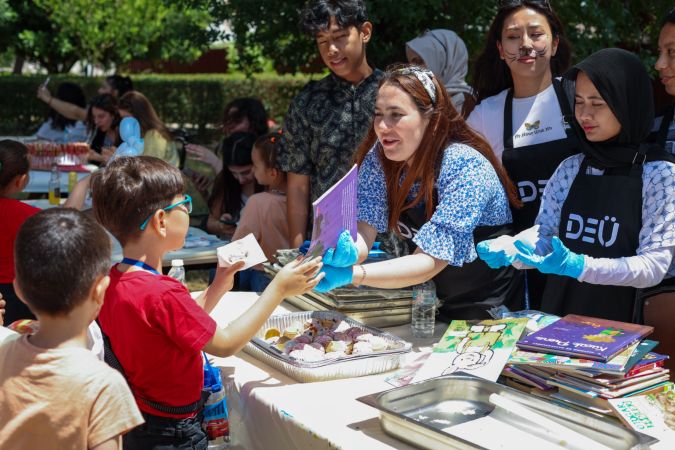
363, 275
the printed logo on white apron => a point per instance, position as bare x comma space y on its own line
590, 230
530, 190
407, 232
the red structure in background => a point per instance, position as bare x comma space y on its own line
211, 61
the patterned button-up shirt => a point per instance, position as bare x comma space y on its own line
323, 128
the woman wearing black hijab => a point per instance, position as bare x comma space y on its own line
607, 220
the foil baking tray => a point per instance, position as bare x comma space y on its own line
456, 412
330, 369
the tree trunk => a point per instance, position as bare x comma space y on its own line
18, 64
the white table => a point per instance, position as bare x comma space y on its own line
270, 410
200, 248
39, 180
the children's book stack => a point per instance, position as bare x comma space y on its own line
583, 362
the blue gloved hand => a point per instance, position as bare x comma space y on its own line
344, 254
561, 261
335, 277
494, 259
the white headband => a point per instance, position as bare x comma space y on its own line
424, 76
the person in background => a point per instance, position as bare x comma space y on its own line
59, 128
328, 119
103, 119
234, 185
245, 115
14, 168
55, 392
265, 212
445, 54
156, 330
157, 137
664, 128
522, 110
115, 85
424, 173
607, 222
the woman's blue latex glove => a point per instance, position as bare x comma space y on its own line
344, 254
494, 259
561, 261
335, 277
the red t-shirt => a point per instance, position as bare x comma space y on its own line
157, 332
13, 214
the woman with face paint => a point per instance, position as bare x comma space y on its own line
521, 111
607, 220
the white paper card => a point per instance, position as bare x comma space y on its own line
245, 249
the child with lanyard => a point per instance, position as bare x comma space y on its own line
521, 109
607, 216
426, 175
156, 331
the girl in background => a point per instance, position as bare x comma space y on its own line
14, 167
233, 186
103, 119
59, 128
265, 212
157, 138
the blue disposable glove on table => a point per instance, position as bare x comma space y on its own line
344, 254
561, 261
335, 277
494, 259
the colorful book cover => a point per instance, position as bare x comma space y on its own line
585, 337
334, 212
614, 365
644, 414
481, 349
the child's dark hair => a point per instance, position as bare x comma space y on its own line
236, 150
317, 14
59, 253
130, 189
13, 161
246, 108
491, 75
267, 147
670, 18
120, 83
71, 93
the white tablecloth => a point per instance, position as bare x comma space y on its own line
272, 411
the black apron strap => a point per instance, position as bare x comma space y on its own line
508, 120
112, 360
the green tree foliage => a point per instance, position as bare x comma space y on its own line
57, 33
270, 27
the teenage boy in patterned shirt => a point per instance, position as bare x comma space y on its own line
327, 120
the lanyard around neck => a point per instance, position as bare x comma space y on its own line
141, 264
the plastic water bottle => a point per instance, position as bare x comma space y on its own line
177, 270
423, 310
55, 186
216, 423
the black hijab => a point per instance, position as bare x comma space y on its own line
623, 82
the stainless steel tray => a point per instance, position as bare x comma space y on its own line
330, 369
443, 412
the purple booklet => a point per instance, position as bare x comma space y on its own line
334, 212
585, 337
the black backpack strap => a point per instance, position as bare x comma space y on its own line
112, 361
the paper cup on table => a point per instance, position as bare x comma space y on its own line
245, 249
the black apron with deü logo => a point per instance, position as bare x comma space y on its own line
530, 168
468, 292
602, 218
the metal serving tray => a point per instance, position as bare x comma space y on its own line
346, 367
455, 412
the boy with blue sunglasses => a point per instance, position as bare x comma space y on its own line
155, 329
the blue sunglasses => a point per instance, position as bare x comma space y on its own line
187, 201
